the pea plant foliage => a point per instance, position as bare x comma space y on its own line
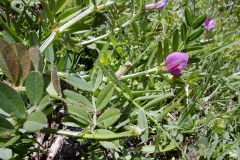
136, 79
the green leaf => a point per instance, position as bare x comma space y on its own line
9, 61
33, 38
202, 143
151, 148
195, 35
12, 141
188, 17
36, 57
34, 87
199, 22
43, 103
104, 96
5, 153
49, 54
193, 48
35, 122
117, 46
143, 124
175, 41
108, 117
96, 78
78, 98
79, 83
78, 114
156, 100
69, 14
213, 146
73, 122
61, 4
160, 55
183, 31
11, 102
110, 75
110, 144
166, 47
6, 128
49, 12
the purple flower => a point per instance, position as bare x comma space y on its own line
209, 24
158, 6
176, 62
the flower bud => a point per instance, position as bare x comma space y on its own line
176, 62
158, 6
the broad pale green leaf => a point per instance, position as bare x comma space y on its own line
79, 114
79, 83
143, 124
78, 98
33, 38
61, 4
12, 141
9, 62
175, 41
6, 128
109, 144
43, 103
73, 122
35, 121
195, 35
199, 22
34, 87
202, 142
49, 54
96, 78
11, 101
5, 153
104, 96
188, 17
158, 99
108, 117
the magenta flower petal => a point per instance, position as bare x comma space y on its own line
161, 4
212, 24
206, 22
176, 62
209, 24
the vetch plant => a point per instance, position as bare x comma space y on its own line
176, 62
209, 24
158, 6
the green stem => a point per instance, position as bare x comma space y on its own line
60, 132
109, 136
49, 40
9, 31
88, 136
